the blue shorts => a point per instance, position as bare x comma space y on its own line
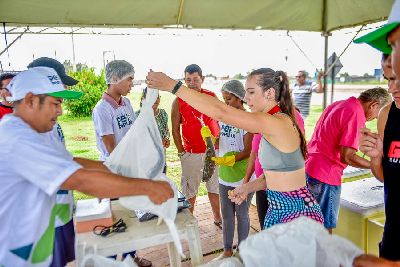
328, 197
64, 242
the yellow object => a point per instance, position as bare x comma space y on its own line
362, 230
362, 225
374, 233
226, 161
206, 132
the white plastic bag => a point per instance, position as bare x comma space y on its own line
227, 262
301, 242
141, 154
100, 261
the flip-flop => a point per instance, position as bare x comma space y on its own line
218, 224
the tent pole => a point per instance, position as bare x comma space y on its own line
333, 76
326, 35
73, 49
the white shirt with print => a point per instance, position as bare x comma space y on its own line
230, 139
31, 172
109, 119
64, 198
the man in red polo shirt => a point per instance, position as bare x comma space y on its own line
190, 145
5, 106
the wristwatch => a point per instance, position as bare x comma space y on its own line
180, 154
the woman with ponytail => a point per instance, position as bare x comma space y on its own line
282, 149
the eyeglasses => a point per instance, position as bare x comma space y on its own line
117, 227
297, 76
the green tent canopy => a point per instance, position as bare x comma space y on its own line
303, 15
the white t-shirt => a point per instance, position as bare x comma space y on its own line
31, 172
110, 118
230, 140
64, 198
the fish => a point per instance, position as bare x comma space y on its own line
208, 165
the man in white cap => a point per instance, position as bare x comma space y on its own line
64, 246
384, 147
32, 171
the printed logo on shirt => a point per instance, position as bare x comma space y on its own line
229, 131
124, 120
394, 152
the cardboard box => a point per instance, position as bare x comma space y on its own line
91, 213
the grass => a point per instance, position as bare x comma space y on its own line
81, 141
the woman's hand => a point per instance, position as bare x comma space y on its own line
160, 81
238, 195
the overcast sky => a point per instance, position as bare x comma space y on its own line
218, 52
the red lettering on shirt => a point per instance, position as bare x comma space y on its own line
394, 150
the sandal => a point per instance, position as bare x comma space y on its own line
142, 262
218, 224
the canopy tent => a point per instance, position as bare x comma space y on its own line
293, 15
297, 15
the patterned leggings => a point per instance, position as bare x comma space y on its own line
287, 206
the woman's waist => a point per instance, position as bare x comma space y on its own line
285, 181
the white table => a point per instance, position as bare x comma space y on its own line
141, 235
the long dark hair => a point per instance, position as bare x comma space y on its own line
268, 78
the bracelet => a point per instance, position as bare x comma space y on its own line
176, 87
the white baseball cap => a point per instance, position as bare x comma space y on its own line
39, 80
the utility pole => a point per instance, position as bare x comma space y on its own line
107, 57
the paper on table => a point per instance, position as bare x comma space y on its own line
91, 209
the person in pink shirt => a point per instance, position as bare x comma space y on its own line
254, 166
334, 144
5, 106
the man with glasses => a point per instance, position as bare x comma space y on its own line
190, 145
302, 91
5, 106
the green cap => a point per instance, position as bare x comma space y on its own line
378, 38
66, 94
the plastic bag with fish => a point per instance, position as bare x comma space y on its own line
141, 154
209, 165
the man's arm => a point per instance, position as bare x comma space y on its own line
348, 156
109, 142
108, 185
176, 125
320, 88
91, 164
